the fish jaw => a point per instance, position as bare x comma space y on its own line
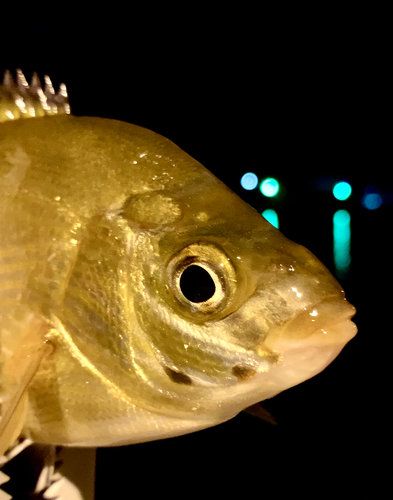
296, 360
310, 341
304, 359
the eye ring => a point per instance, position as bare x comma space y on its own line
214, 277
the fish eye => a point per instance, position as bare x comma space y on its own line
202, 279
197, 284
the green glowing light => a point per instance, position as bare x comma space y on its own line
342, 190
342, 242
271, 216
341, 219
270, 187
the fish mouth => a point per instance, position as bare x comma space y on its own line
311, 340
301, 348
329, 319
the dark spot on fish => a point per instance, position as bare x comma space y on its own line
52, 285
178, 377
243, 372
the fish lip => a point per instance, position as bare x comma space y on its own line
345, 310
314, 320
337, 332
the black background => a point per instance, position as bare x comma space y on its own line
296, 95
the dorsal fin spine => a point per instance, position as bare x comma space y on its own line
19, 99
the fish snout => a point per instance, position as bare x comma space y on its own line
324, 323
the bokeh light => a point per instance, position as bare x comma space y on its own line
342, 242
272, 217
249, 181
270, 187
342, 190
372, 201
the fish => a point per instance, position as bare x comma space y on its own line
140, 298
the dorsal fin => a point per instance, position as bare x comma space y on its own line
19, 99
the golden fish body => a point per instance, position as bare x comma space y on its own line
169, 304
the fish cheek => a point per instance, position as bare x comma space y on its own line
188, 337
181, 347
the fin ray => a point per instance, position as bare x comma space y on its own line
22, 368
19, 99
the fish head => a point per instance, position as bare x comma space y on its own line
236, 311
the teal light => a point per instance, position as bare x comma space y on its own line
249, 181
271, 216
270, 187
342, 242
342, 190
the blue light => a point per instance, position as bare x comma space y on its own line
342, 242
372, 201
270, 187
342, 190
271, 216
249, 181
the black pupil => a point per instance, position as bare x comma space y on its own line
196, 284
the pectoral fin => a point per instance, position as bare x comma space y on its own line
12, 422
259, 411
21, 368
